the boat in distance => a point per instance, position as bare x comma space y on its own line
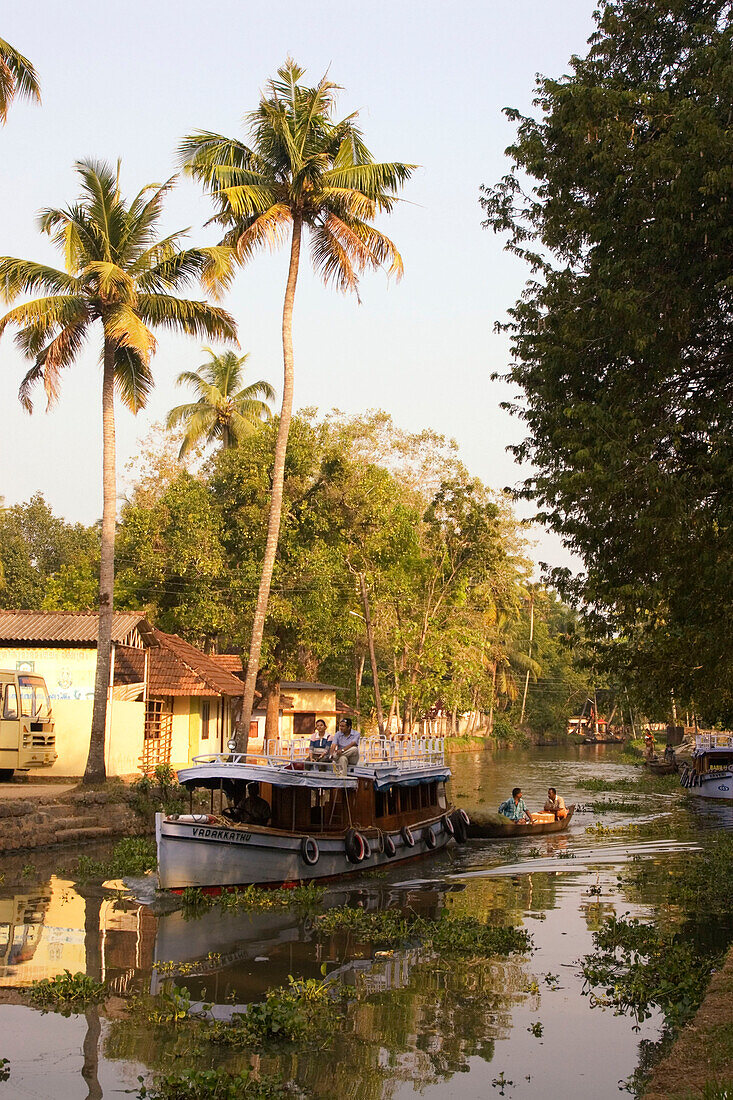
489, 827
710, 772
393, 805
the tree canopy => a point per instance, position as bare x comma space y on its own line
619, 199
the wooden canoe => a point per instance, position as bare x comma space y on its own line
488, 829
661, 767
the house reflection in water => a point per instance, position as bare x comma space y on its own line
59, 925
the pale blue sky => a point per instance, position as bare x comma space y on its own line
429, 81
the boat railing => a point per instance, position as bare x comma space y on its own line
706, 742
406, 755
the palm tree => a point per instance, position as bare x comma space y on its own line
301, 170
225, 409
117, 275
17, 78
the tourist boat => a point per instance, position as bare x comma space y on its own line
710, 772
391, 807
490, 827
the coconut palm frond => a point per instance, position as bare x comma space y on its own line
194, 318
133, 377
26, 277
125, 329
50, 361
17, 78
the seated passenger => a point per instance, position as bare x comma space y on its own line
555, 804
250, 810
514, 807
345, 746
320, 744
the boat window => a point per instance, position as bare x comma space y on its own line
392, 801
380, 803
441, 796
10, 710
414, 797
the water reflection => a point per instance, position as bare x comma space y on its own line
416, 1021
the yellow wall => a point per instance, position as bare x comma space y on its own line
69, 673
72, 725
319, 700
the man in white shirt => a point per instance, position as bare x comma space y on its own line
345, 746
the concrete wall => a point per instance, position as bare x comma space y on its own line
320, 701
69, 673
73, 723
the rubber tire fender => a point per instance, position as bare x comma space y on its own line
367, 847
459, 827
390, 848
448, 825
407, 837
355, 846
309, 851
430, 837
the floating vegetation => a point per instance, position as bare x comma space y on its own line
211, 1084
567, 854
66, 991
552, 981
639, 967
536, 1029
131, 856
449, 935
196, 902
289, 1014
615, 805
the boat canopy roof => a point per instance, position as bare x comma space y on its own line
287, 764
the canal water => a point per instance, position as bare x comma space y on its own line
422, 1025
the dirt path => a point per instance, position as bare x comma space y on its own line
703, 1051
10, 791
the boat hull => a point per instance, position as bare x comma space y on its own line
714, 786
490, 830
212, 855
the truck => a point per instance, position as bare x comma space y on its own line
27, 738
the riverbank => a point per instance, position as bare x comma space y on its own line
39, 820
702, 1055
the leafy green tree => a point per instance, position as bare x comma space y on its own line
39, 552
226, 411
171, 562
302, 170
619, 200
118, 279
17, 78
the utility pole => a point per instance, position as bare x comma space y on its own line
531, 637
372, 655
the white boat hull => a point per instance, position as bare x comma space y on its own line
194, 854
710, 785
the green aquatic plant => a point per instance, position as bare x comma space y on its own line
293, 1013
639, 967
66, 991
615, 805
195, 902
211, 1084
536, 1029
4, 1069
131, 856
448, 935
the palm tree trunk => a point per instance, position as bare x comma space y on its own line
276, 496
95, 771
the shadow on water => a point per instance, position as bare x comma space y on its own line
415, 1020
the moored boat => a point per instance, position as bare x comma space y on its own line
392, 806
490, 827
710, 773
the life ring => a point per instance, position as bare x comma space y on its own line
355, 846
192, 819
459, 827
390, 848
430, 837
448, 825
407, 836
309, 850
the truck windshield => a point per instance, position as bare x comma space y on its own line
34, 700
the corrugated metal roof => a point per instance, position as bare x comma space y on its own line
67, 626
304, 685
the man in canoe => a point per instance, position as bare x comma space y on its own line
555, 804
514, 807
